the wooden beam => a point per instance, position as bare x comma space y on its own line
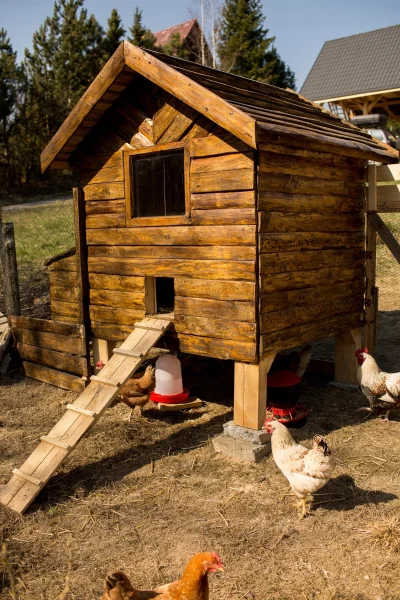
102, 350
198, 97
10, 270
370, 263
346, 344
250, 395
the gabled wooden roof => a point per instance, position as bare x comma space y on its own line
248, 109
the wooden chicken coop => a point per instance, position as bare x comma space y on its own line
235, 206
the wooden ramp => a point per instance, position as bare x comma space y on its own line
27, 481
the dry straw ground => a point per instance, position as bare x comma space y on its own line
144, 496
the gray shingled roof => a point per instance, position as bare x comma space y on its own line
358, 64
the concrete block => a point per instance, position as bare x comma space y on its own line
256, 436
242, 449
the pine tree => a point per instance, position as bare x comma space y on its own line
244, 46
175, 47
140, 35
114, 34
10, 88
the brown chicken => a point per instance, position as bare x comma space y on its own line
136, 392
193, 585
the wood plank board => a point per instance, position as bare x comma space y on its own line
222, 181
293, 242
119, 316
51, 358
293, 280
213, 145
189, 252
97, 397
275, 163
309, 203
219, 309
229, 216
215, 328
125, 299
53, 377
214, 200
308, 259
119, 283
217, 290
296, 184
225, 162
104, 191
77, 331
216, 348
275, 222
51, 341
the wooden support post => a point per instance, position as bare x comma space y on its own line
10, 271
250, 396
370, 266
346, 344
102, 350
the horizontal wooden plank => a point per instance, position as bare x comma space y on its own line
120, 316
51, 358
308, 259
113, 332
51, 341
219, 309
104, 207
275, 222
304, 297
215, 328
229, 216
224, 349
120, 283
386, 173
241, 179
388, 207
63, 318
99, 161
293, 184
61, 293
76, 331
117, 299
226, 162
68, 309
217, 290
198, 252
212, 269
65, 264
107, 220
111, 174
223, 200
292, 242
54, 377
294, 316
213, 145
231, 235
102, 191
294, 336
274, 163
388, 193
63, 279
309, 203
313, 155
293, 280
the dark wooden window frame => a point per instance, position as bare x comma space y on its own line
160, 221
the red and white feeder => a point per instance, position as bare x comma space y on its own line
169, 387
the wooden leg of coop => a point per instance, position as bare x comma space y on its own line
102, 350
250, 399
346, 344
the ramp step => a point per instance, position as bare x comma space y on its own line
131, 353
150, 327
109, 382
56, 443
81, 411
29, 478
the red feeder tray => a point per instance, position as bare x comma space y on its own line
172, 399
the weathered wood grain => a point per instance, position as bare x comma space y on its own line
217, 290
218, 309
275, 222
68, 309
104, 207
296, 184
308, 259
223, 200
293, 242
104, 191
119, 283
120, 316
216, 144
275, 163
156, 252
309, 203
183, 119
225, 162
117, 299
113, 332
111, 174
232, 235
242, 270
60, 293
51, 341
50, 358
107, 220
64, 264
229, 216
215, 328
63, 279
224, 349
47, 326
292, 280
324, 157
54, 377
221, 181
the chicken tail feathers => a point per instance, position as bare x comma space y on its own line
319, 442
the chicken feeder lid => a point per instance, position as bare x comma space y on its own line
280, 379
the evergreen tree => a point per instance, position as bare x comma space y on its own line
244, 45
175, 47
281, 75
114, 34
140, 35
10, 88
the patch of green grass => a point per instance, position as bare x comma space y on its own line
41, 231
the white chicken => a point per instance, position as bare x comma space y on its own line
382, 389
306, 470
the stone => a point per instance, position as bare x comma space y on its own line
241, 449
256, 436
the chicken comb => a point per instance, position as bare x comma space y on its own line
360, 351
216, 557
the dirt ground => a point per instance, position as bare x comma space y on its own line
146, 495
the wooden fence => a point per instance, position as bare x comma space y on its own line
383, 196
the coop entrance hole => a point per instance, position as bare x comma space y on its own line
160, 295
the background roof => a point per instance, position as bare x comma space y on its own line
358, 64
163, 36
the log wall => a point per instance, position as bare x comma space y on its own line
64, 290
212, 259
311, 245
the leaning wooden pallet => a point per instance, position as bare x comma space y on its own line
33, 475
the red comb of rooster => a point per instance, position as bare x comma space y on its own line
216, 557
361, 350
